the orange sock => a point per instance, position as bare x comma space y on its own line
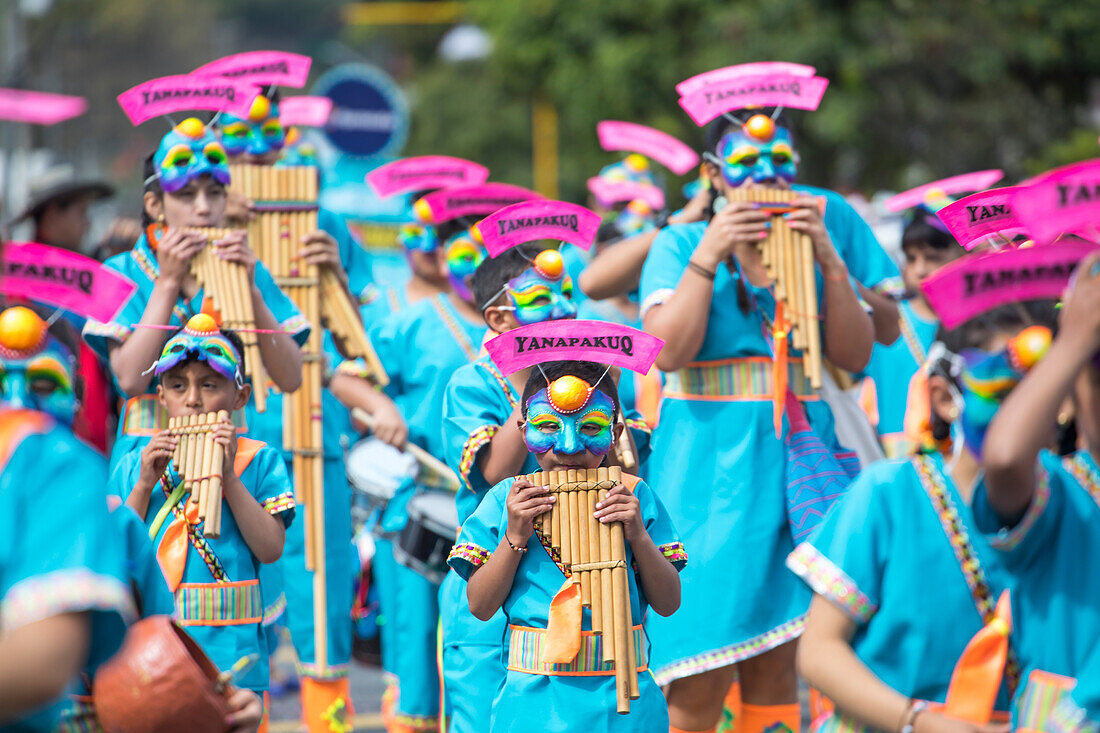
326, 705
770, 718
674, 729
731, 710
267, 714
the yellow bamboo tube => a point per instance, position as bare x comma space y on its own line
621, 609
556, 511
595, 577
217, 466
606, 583
568, 523
814, 335
584, 521
188, 470
173, 429
203, 452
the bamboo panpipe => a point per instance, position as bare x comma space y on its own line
228, 286
342, 318
200, 462
593, 554
788, 258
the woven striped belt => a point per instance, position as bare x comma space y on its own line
143, 415
834, 722
219, 604
1044, 690
747, 378
525, 654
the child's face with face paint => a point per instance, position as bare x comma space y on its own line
578, 439
537, 298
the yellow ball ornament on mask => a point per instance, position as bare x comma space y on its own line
1028, 347
202, 323
192, 127
549, 264
21, 330
637, 163
568, 394
760, 127
261, 109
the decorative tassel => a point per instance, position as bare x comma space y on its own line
977, 676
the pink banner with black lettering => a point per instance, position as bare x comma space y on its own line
480, 200
661, 147
425, 173
975, 284
39, 108
756, 68
65, 279
304, 111
599, 341
964, 183
1065, 200
261, 67
533, 220
169, 94
764, 90
608, 193
974, 218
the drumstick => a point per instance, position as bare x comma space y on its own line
423, 457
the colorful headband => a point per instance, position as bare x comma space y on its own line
977, 283
1065, 200
425, 173
781, 89
188, 152
305, 111
937, 190
39, 108
755, 68
169, 94
599, 341
63, 279
200, 339
261, 67
476, 200
608, 193
529, 221
974, 218
661, 147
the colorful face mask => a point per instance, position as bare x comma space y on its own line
188, 152
297, 151
569, 417
201, 340
987, 378
259, 134
744, 156
537, 297
464, 254
634, 169
418, 237
36, 370
636, 218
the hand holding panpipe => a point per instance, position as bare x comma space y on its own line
423, 457
200, 462
593, 555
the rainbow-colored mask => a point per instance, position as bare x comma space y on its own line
258, 134
544, 292
987, 378
36, 370
464, 254
201, 340
297, 151
744, 155
418, 237
636, 218
569, 417
188, 152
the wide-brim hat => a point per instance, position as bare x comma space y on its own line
61, 183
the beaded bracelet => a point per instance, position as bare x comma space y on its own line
520, 550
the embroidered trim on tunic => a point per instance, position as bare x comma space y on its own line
274, 611
829, 581
473, 444
295, 324
656, 298
1080, 469
525, 646
279, 503
61, 591
354, 368
1041, 698
369, 294
674, 552
1011, 539
115, 331
729, 380
322, 674
471, 553
912, 341
731, 654
455, 328
636, 423
417, 722
219, 604
892, 286
505, 386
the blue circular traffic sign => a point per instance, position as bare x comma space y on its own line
370, 115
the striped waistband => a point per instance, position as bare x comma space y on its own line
1040, 698
525, 654
836, 722
219, 604
748, 378
144, 416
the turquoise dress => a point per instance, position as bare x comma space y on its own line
218, 601
357, 261
59, 552
1048, 552
577, 697
890, 369
719, 468
420, 346
878, 552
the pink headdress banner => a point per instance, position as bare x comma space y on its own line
709, 101
661, 147
973, 218
599, 341
169, 94
477, 200
39, 108
975, 284
423, 173
755, 68
261, 67
65, 279
1065, 200
965, 183
533, 220
304, 111
608, 193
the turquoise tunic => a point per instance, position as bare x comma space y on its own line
719, 468
566, 702
1048, 552
876, 555
356, 260
218, 601
59, 552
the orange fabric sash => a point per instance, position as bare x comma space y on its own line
978, 673
780, 329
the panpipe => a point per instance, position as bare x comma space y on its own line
625, 448
199, 462
227, 284
342, 318
593, 555
788, 259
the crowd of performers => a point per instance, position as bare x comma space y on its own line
946, 586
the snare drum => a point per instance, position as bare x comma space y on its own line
375, 471
426, 541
